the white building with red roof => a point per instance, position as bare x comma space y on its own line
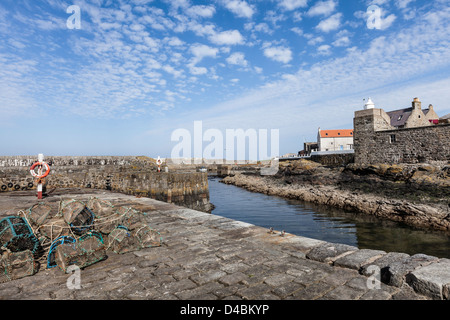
335, 140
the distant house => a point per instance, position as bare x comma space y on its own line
414, 116
411, 117
335, 140
309, 147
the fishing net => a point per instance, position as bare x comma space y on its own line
86, 251
16, 265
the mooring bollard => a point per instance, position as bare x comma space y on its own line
40, 175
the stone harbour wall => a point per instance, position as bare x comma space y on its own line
129, 175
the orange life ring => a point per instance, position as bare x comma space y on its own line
34, 174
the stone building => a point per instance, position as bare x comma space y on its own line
335, 140
409, 135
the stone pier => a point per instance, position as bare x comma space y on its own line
209, 257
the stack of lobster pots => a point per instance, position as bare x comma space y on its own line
70, 232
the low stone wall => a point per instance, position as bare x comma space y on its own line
129, 175
334, 160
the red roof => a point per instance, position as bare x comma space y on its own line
346, 133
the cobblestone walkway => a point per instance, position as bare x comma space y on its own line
208, 257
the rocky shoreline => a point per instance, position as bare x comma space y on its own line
415, 195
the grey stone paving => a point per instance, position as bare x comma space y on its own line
207, 257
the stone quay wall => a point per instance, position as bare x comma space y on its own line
130, 175
376, 142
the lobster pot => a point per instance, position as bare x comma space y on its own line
107, 224
16, 235
88, 250
71, 209
54, 228
78, 216
51, 263
147, 237
16, 265
40, 213
100, 208
121, 240
130, 218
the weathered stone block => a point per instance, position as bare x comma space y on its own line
359, 258
430, 280
329, 252
395, 273
383, 262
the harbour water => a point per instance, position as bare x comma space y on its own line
324, 223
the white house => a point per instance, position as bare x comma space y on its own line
335, 140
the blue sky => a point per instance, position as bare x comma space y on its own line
137, 70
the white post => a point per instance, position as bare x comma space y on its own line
39, 186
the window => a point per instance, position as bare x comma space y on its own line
392, 138
400, 117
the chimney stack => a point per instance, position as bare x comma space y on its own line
416, 104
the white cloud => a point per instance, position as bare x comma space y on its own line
324, 8
201, 51
237, 58
292, 4
258, 70
198, 70
260, 27
316, 40
324, 50
331, 23
342, 39
342, 42
297, 30
279, 53
402, 4
240, 8
387, 22
171, 70
230, 37
174, 41
378, 2
201, 11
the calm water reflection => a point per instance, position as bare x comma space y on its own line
324, 223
